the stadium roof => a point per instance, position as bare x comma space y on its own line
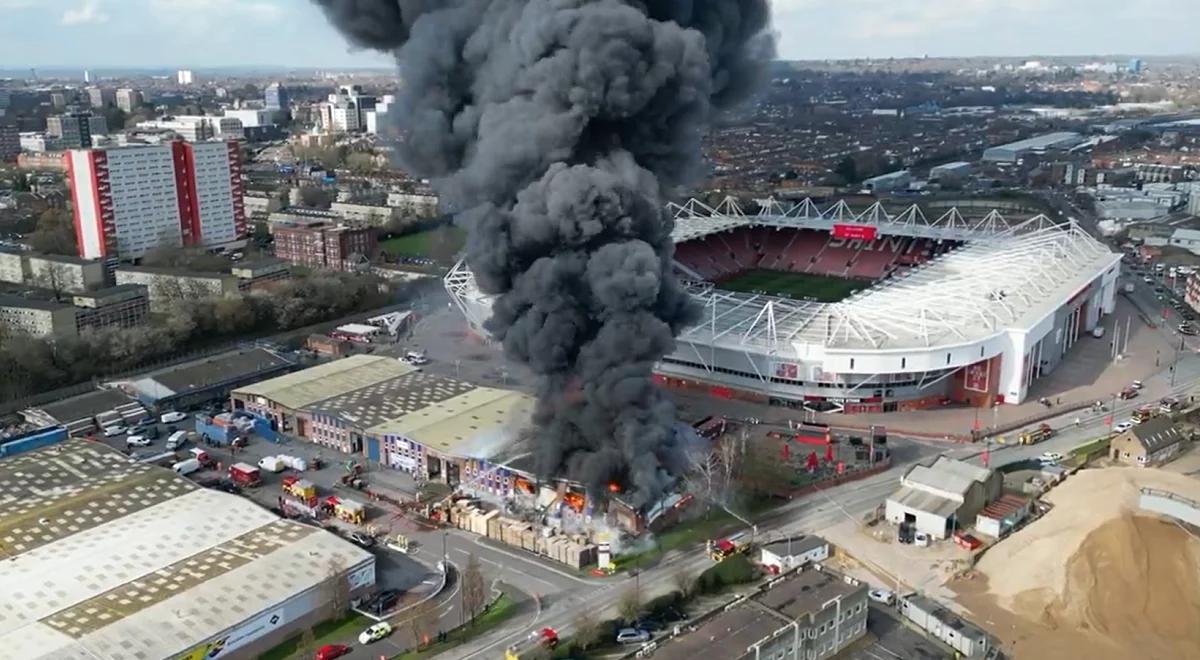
1006, 276
974, 292
471, 423
327, 380
106, 558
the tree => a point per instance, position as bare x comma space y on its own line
315, 198
422, 622
847, 169
763, 474
54, 276
630, 606
473, 591
307, 644
685, 581
362, 163
55, 233
587, 628
335, 589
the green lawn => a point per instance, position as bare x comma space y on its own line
501, 611
821, 288
687, 533
425, 243
327, 632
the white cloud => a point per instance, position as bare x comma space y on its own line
88, 12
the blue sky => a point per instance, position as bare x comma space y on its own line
200, 33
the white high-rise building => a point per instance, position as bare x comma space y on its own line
184, 77
130, 200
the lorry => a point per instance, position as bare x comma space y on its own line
533, 644
206, 459
245, 475
721, 549
1034, 436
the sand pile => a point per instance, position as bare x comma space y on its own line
1097, 567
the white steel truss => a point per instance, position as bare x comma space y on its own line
1007, 275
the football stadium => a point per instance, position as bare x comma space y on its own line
866, 310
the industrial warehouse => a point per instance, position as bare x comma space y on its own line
107, 558
838, 310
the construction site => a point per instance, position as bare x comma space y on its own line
1103, 574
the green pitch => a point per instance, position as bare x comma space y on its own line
821, 288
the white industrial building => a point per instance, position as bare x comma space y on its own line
956, 171
898, 180
941, 497
129, 200
252, 117
1012, 152
795, 551
134, 561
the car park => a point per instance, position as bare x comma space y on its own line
632, 636
114, 430
137, 441
375, 633
172, 417
882, 596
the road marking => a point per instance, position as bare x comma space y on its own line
529, 560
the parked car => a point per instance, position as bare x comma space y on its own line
362, 539
385, 601
375, 633
173, 417
137, 441
882, 596
332, 651
1137, 384
114, 430
1051, 458
921, 540
632, 636
1123, 426
649, 625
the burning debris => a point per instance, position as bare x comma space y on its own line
555, 128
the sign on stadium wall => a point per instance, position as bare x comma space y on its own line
977, 376
855, 232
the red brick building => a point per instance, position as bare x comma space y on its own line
324, 245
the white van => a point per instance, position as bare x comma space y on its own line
176, 440
184, 468
416, 358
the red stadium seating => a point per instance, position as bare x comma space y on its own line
719, 256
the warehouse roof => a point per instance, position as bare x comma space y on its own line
920, 500
729, 634
796, 545
213, 371
466, 425
107, 558
1040, 141
389, 399
805, 592
327, 380
946, 476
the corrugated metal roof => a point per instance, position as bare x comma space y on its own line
454, 425
924, 501
946, 475
327, 380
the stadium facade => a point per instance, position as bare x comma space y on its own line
957, 309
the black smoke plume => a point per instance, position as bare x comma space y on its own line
555, 129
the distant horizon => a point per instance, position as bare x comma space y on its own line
169, 70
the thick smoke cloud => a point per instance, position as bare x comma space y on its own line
555, 129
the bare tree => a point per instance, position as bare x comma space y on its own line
587, 628
684, 580
307, 644
630, 605
54, 276
335, 590
422, 622
473, 590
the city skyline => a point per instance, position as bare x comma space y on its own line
264, 33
